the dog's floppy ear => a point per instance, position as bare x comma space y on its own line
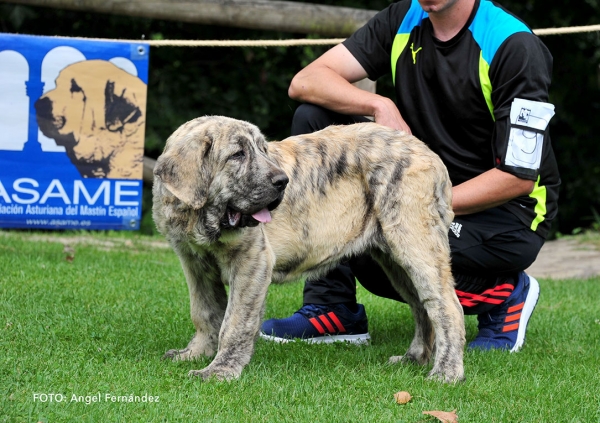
120, 108
183, 169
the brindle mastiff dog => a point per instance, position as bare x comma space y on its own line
219, 199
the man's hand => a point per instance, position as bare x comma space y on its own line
386, 113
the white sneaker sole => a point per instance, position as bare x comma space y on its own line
528, 307
363, 338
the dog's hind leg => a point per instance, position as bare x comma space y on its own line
434, 304
208, 300
422, 344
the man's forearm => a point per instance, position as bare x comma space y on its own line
327, 89
490, 189
327, 82
324, 87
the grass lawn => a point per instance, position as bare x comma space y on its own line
96, 326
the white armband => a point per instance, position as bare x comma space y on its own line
528, 123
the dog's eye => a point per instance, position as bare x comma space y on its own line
238, 156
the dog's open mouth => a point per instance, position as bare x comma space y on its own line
237, 219
234, 218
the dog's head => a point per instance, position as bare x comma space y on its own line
96, 112
221, 165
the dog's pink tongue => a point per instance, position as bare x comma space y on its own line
262, 216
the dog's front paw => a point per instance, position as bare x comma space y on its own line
409, 357
395, 359
185, 354
447, 375
220, 374
448, 371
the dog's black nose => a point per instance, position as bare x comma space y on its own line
280, 181
47, 122
43, 108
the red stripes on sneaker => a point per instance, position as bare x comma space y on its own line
329, 320
328, 325
496, 295
336, 321
513, 314
317, 325
515, 308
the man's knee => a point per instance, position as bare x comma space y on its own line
309, 118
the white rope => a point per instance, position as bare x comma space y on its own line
244, 43
307, 41
567, 30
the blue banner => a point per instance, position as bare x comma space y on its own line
72, 122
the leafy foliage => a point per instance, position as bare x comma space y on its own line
251, 83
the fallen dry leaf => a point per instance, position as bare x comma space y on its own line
444, 416
69, 251
402, 397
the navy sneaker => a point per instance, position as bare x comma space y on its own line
320, 324
504, 326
